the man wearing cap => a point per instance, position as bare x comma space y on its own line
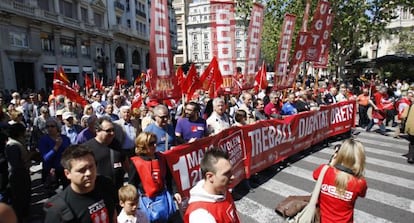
70, 129
97, 106
126, 130
149, 119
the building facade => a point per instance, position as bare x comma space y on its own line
199, 34
181, 11
108, 37
387, 44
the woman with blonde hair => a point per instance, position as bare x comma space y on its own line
343, 183
151, 175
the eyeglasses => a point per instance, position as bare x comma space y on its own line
163, 117
50, 126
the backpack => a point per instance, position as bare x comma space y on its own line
57, 204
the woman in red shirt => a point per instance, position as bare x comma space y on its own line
343, 183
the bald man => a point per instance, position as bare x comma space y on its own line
7, 214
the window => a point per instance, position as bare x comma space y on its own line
86, 48
46, 42
206, 56
238, 53
195, 46
129, 23
66, 8
195, 57
68, 47
18, 39
84, 14
206, 46
98, 19
206, 36
118, 20
195, 37
43, 4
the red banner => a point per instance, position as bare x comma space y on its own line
223, 27
253, 148
318, 28
302, 41
253, 45
163, 81
326, 42
282, 57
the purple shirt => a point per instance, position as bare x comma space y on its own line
189, 129
84, 136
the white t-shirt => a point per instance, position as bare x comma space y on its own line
139, 217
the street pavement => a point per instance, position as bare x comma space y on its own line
390, 196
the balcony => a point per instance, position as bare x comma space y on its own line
140, 13
119, 7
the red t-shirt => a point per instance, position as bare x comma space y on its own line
332, 207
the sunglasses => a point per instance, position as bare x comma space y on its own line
109, 130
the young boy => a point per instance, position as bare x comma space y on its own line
128, 199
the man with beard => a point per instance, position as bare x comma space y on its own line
191, 126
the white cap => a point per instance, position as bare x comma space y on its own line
67, 115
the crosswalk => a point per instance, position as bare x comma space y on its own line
390, 195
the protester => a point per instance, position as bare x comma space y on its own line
330, 97
126, 130
247, 106
343, 183
210, 201
70, 129
19, 160
89, 132
89, 198
109, 162
7, 214
288, 107
218, 120
363, 105
150, 173
274, 107
240, 118
191, 126
128, 199
162, 129
409, 129
51, 147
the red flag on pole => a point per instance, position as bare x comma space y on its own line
260, 79
61, 76
137, 102
61, 88
88, 82
191, 79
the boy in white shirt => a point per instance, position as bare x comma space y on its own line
128, 199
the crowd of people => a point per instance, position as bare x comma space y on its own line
106, 154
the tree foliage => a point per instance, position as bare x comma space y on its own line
356, 22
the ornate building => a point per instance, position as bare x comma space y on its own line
84, 36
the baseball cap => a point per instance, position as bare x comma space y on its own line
67, 115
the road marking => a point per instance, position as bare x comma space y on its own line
285, 190
379, 162
372, 194
378, 151
256, 211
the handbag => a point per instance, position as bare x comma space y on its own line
158, 208
292, 205
310, 214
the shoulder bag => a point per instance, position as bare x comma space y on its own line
310, 214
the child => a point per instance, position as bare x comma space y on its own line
128, 199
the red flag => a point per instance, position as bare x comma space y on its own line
191, 79
61, 87
97, 82
180, 76
137, 102
211, 75
260, 79
61, 76
76, 86
119, 81
88, 82
148, 78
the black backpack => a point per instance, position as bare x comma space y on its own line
57, 204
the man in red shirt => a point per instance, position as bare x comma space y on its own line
210, 201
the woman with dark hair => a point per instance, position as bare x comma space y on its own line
151, 175
343, 182
19, 160
51, 147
